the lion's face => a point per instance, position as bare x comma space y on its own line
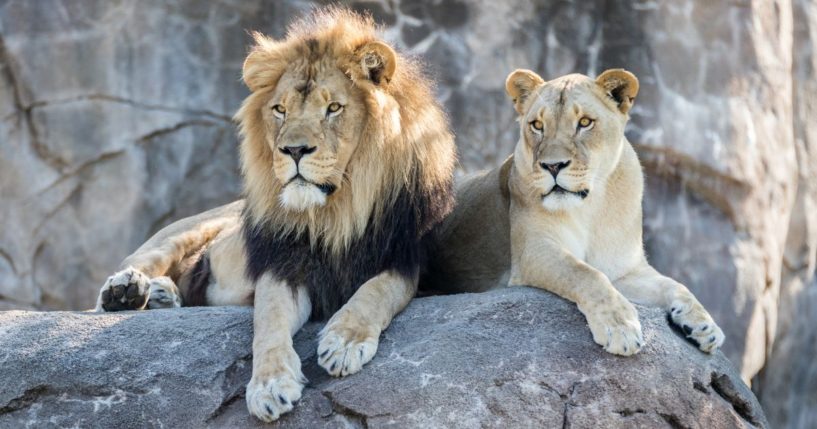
338, 128
314, 99
571, 133
313, 119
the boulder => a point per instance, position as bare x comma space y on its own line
515, 357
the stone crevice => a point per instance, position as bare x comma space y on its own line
25, 400
627, 412
40, 392
725, 388
80, 168
357, 418
7, 257
568, 403
25, 111
50, 214
172, 129
137, 104
673, 421
224, 406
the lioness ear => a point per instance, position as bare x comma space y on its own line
520, 84
621, 86
263, 66
377, 62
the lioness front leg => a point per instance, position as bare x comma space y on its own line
277, 380
350, 338
612, 319
647, 286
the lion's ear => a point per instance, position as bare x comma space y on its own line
621, 86
263, 66
377, 62
520, 84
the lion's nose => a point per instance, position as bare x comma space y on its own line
297, 152
555, 167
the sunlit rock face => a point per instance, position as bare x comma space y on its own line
787, 385
115, 120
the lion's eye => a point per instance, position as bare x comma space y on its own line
333, 109
585, 122
279, 111
537, 126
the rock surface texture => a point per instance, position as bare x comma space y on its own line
115, 120
509, 358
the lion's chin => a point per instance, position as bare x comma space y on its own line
300, 196
559, 199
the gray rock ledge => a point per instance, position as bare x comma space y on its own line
515, 357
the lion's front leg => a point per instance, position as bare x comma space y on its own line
612, 319
690, 315
647, 286
350, 338
277, 380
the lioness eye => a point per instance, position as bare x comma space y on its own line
537, 126
585, 122
279, 110
333, 109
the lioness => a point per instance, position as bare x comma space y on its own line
563, 213
347, 162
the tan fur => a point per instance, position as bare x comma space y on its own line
393, 117
348, 341
170, 251
588, 250
388, 134
167, 257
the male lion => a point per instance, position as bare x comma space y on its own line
347, 162
563, 213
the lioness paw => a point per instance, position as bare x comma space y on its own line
126, 290
697, 325
268, 398
163, 293
616, 328
344, 348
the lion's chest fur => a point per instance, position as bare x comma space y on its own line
389, 243
605, 232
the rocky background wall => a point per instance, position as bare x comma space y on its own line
115, 120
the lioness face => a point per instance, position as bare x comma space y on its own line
571, 133
312, 118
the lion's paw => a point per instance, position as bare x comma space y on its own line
163, 294
126, 290
616, 328
269, 398
697, 325
343, 349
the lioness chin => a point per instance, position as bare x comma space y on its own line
347, 162
563, 214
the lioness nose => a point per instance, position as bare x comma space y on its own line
555, 167
297, 152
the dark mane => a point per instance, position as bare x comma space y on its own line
394, 241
